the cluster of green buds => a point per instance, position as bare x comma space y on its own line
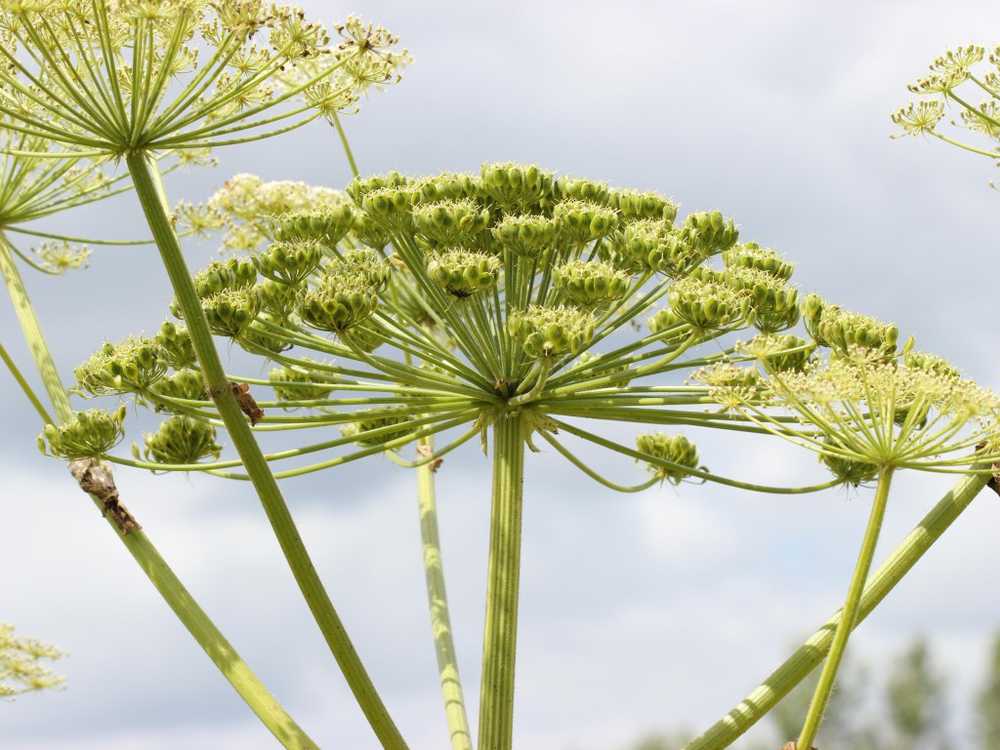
676, 453
841, 330
131, 366
181, 440
89, 434
296, 383
456, 299
954, 81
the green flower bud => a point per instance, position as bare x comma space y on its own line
369, 233
88, 434
186, 384
130, 366
847, 471
583, 190
366, 337
376, 423
592, 283
363, 186
774, 306
526, 235
652, 245
709, 232
777, 353
391, 207
176, 347
633, 205
462, 273
296, 383
339, 303
517, 187
289, 263
931, 363
366, 265
451, 222
182, 440
676, 449
840, 330
222, 275
231, 311
579, 223
664, 320
256, 339
551, 331
812, 313
449, 186
707, 305
753, 256
277, 299
327, 226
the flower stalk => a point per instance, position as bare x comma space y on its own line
849, 612
192, 616
496, 717
437, 600
807, 657
149, 191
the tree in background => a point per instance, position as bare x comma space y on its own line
915, 700
911, 716
840, 726
988, 703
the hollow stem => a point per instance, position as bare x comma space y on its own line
148, 187
193, 617
849, 613
496, 700
808, 656
437, 601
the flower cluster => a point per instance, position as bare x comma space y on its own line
966, 80
113, 77
22, 664
408, 307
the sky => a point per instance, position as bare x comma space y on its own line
638, 613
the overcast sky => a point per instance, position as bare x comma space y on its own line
638, 612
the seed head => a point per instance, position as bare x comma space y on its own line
133, 365
299, 383
590, 283
88, 434
526, 235
182, 440
544, 332
187, 384
675, 449
463, 273
289, 262
175, 347
633, 205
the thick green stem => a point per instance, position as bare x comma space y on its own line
496, 697
437, 600
808, 656
198, 624
148, 187
849, 612
32, 332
